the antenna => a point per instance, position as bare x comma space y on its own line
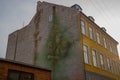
23, 24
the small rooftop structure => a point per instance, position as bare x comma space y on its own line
103, 28
91, 18
77, 7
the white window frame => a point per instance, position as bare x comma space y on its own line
86, 54
83, 27
102, 61
98, 38
50, 18
116, 50
105, 43
115, 67
92, 35
111, 50
95, 58
109, 64
119, 67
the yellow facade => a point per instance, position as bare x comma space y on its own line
110, 70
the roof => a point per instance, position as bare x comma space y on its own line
23, 64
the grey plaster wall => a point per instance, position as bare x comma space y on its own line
70, 67
11, 46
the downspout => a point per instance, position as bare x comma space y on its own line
15, 53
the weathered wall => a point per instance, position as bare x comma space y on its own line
25, 45
11, 46
21, 46
59, 47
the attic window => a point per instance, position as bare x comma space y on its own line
50, 18
77, 7
91, 18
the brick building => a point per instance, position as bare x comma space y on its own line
12, 70
66, 41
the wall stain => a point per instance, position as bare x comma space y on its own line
58, 44
36, 34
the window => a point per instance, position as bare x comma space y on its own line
86, 54
17, 75
109, 64
83, 27
115, 67
91, 33
116, 51
111, 47
95, 59
50, 18
105, 43
119, 68
102, 61
98, 38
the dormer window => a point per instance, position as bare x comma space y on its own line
77, 7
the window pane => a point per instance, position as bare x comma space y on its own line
109, 64
13, 75
105, 43
110, 47
17, 75
98, 38
83, 27
50, 18
102, 61
116, 50
26, 76
91, 33
95, 61
86, 54
115, 67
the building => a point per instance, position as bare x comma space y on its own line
66, 41
12, 70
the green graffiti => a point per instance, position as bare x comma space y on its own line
58, 43
56, 47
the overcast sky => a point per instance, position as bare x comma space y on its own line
16, 13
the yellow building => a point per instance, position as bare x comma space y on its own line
99, 49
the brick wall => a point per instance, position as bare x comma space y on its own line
39, 73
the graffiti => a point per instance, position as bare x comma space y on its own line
58, 44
